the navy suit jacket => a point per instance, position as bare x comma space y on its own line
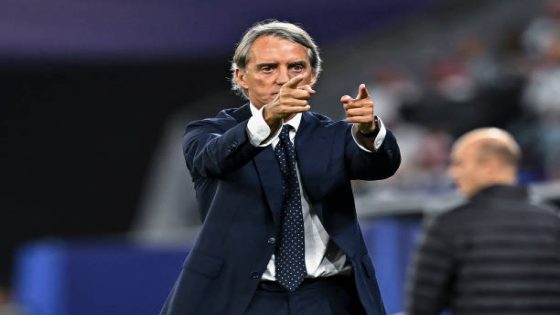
238, 188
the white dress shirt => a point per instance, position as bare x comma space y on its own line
322, 257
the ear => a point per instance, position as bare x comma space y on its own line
313, 78
240, 78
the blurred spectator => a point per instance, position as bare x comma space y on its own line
542, 94
449, 102
498, 253
391, 89
496, 86
425, 165
478, 61
543, 30
511, 83
542, 99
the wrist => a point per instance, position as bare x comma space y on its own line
372, 132
271, 121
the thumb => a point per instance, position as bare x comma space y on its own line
345, 99
362, 92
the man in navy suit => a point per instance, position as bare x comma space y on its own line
272, 180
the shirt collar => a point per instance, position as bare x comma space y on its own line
294, 122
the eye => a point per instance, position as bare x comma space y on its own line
266, 69
298, 68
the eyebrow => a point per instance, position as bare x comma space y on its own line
297, 63
274, 64
266, 64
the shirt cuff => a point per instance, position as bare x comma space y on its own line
258, 130
377, 142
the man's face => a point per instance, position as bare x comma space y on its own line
466, 170
273, 61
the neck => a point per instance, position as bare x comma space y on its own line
506, 178
288, 118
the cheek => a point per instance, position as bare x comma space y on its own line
455, 172
310, 78
261, 82
463, 175
474, 177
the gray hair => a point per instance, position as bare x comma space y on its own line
275, 28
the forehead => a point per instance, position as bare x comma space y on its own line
272, 48
464, 150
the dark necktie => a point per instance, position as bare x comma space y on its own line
290, 252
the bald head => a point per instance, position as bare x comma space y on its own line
492, 143
484, 157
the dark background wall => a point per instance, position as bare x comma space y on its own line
79, 137
76, 141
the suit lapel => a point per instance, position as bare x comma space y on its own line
313, 154
271, 181
267, 169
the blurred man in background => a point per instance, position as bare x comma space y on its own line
272, 179
498, 253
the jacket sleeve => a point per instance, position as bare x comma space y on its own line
430, 280
379, 164
213, 147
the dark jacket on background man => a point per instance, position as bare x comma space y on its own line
497, 254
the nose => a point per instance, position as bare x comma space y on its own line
283, 76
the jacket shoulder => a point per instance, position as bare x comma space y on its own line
449, 221
222, 119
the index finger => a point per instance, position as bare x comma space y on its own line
293, 83
362, 92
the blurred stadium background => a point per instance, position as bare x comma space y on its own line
97, 206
